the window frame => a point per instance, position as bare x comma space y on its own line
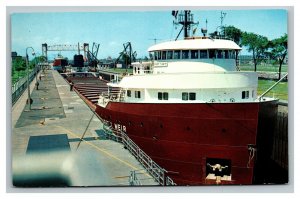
185, 96
219, 54
128, 93
137, 94
213, 53
245, 94
162, 95
158, 55
192, 96
170, 54
194, 52
178, 53
185, 54
202, 53
159, 96
163, 55
165, 96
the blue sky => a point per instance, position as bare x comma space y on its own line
112, 29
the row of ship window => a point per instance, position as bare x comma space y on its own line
193, 54
185, 95
164, 95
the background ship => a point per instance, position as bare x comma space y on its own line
60, 64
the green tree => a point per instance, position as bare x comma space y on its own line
232, 33
18, 64
279, 50
257, 44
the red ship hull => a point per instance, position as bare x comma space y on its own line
183, 138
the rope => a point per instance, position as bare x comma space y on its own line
251, 156
85, 131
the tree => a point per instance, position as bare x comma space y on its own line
279, 50
18, 64
257, 44
232, 33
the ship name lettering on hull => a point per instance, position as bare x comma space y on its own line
120, 127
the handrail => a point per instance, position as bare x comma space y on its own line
158, 173
269, 89
20, 86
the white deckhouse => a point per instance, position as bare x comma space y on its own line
193, 70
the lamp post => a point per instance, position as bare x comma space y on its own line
29, 100
36, 73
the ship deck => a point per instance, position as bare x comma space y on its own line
61, 117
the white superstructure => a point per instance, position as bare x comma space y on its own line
194, 70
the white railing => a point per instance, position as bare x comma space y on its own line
115, 96
158, 173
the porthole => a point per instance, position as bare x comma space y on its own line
232, 100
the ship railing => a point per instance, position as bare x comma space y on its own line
158, 173
20, 86
143, 72
116, 96
140, 177
133, 179
154, 169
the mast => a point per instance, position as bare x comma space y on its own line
186, 19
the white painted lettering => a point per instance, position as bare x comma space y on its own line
120, 127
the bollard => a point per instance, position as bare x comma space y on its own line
37, 85
71, 86
31, 101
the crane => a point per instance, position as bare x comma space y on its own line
127, 55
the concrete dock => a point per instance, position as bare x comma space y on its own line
58, 112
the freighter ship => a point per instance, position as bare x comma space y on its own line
60, 64
193, 112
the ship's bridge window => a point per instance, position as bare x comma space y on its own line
185, 54
128, 93
194, 54
163, 55
226, 54
151, 56
245, 94
219, 54
212, 54
137, 94
159, 55
188, 96
155, 55
203, 54
177, 54
231, 54
170, 55
163, 96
